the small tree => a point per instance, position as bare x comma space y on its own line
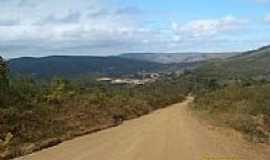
3, 83
59, 91
3, 75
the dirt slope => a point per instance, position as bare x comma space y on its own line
168, 134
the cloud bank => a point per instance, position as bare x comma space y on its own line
37, 28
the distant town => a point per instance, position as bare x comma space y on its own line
138, 79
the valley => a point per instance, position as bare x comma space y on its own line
134, 80
52, 109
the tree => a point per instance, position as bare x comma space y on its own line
3, 83
59, 91
3, 74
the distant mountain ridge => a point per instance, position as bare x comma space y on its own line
167, 58
76, 66
252, 63
70, 66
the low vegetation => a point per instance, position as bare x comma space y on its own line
37, 114
235, 92
249, 65
243, 108
40, 113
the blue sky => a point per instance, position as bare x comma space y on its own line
109, 27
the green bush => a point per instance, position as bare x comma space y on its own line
246, 109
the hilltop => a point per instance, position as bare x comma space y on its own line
167, 58
253, 64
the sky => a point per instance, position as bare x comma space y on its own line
109, 27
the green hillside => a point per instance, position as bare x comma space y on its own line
235, 93
253, 64
76, 66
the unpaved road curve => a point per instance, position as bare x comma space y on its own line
168, 134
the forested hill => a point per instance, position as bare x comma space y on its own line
71, 66
235, 92
76, 66
252, 64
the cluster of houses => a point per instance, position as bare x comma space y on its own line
145, 78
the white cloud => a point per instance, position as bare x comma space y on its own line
267, 18
209, 27
99, 27
57, 24
9, 21
262, 1
71, 17
27, 3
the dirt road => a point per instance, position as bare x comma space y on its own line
168, 134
